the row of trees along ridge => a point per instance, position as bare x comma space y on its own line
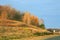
6, 12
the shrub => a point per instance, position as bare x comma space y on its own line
42, 26
38, 34
42, 33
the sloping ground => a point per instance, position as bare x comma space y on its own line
13, 23
10, 23
7, 33
39, 37
16, 30
19, 29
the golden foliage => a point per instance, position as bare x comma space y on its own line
26, 18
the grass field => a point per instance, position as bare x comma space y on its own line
22, 33
46, 37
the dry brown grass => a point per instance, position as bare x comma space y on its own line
39, 37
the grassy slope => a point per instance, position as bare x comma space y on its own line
39, 37
17, 32
8, 32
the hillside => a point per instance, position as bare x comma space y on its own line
7, 13
16, 25
11, 33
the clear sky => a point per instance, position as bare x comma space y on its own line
48, 10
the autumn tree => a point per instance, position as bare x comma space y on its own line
34, 20
6, 12
26, 18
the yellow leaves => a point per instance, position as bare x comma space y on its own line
27, 18
13, 14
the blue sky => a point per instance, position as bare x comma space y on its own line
48, 10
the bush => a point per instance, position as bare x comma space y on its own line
42, 33
38, 34
42, 26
